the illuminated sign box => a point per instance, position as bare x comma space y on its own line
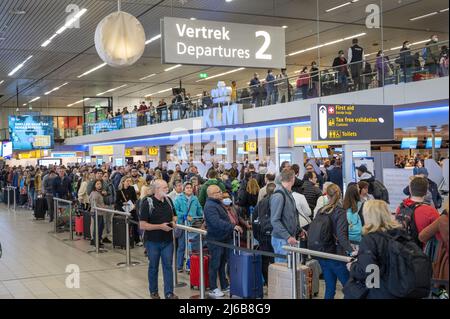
302, 135
250, 146
200, 42
153, 151
102, 150
64, 155
346, 122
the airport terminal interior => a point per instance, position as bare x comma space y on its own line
224, 149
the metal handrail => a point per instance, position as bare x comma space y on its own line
56, 202
201, 232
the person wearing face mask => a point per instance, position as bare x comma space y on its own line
406, 61
188, 211
219, 229
235, 219
340, 66
432, 55
270, 88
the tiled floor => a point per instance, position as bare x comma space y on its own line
34, 265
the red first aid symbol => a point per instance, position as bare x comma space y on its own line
331, 110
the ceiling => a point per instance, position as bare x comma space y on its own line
73, 52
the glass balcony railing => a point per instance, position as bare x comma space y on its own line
380, 71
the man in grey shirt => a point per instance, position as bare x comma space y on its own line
284, 216
47, 184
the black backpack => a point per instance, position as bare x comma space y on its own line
321, 233
262, 226
409, 270
380, 191
406, 218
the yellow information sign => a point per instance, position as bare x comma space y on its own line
250, 147
128, 152
153, 151
102, 150
302, 135
42, 141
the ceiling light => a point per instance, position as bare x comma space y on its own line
148, 76
221, 74
327, 44
156, 37
443, 10
18, 12
420, 42
1, 82
396, 48
173, 67
56, 88
111, 90
193, 19
92, 70
159, 92
285, 27
77, 102
17, 68
47, 42
24, 104
424, 16
34, 100
338, 7
228, 0
68, 24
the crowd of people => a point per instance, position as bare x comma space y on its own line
350, 71
276, 208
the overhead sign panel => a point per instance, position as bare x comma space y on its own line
201, 42
345, 122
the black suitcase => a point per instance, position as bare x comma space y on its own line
11, 196
86, 225
40, 208
23, 199
118, 230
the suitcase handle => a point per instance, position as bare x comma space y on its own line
236, 234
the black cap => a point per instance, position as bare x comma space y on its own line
362, 168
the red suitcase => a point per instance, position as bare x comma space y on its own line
195, 271
79, 225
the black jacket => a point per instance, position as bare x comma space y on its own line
311, 193
262, 209
62, 187
340, 227
335, 176
372, 251
124, 196
297, 187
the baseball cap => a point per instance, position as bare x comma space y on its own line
362, 168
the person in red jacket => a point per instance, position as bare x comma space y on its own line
424, 214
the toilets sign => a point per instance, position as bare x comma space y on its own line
200, 42
338, 122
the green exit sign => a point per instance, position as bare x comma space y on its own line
203, 75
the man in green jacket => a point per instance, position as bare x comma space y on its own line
212, 180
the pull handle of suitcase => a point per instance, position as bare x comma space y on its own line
236, 235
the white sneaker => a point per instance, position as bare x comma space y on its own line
216, 293
140, 244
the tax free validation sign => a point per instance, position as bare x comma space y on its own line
200, 42
345, 122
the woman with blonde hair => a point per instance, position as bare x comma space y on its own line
329, 233
378, 230
249, 197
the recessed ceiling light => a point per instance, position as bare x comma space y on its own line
111, 90
1, 82
92, 70
34, 100
193, 19
18, 12
17, 68
148, 76
285, 27
228, 0
221, 74
56, 88
77, 102
424, 16
156, 37
173, 68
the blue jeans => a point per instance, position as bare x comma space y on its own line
332, 271
343, 82
277, 244
180, 251
155, 252
218, 258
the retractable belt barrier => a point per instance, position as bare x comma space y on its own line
247, 250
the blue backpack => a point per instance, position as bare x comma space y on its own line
354, 226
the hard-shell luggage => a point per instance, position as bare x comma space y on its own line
118, 233
86, 225
40, 208
280, 282
246, 279
194, 275
316, 271
79, 225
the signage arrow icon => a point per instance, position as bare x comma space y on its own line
323, 122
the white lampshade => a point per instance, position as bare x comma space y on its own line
120, 39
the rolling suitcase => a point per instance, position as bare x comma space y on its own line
246, 279
194, 275
40, 208
118, 233
316, 271
280, 282
86, 225
79, 225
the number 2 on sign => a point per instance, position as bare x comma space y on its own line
260, 54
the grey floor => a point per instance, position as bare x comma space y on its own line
34, 261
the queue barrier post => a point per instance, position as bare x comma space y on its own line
202, 233
174, 264
292, 260
97, 250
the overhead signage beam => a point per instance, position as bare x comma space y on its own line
339, 122
200, 42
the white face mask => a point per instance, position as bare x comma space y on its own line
227, 201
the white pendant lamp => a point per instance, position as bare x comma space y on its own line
120, 39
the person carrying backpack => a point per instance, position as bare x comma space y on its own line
376, 188
328, 233
284, 215
262, 228
413, 213
404, 270
352, 205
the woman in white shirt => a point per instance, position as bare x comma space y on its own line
83, 197
322, 200
304, 212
